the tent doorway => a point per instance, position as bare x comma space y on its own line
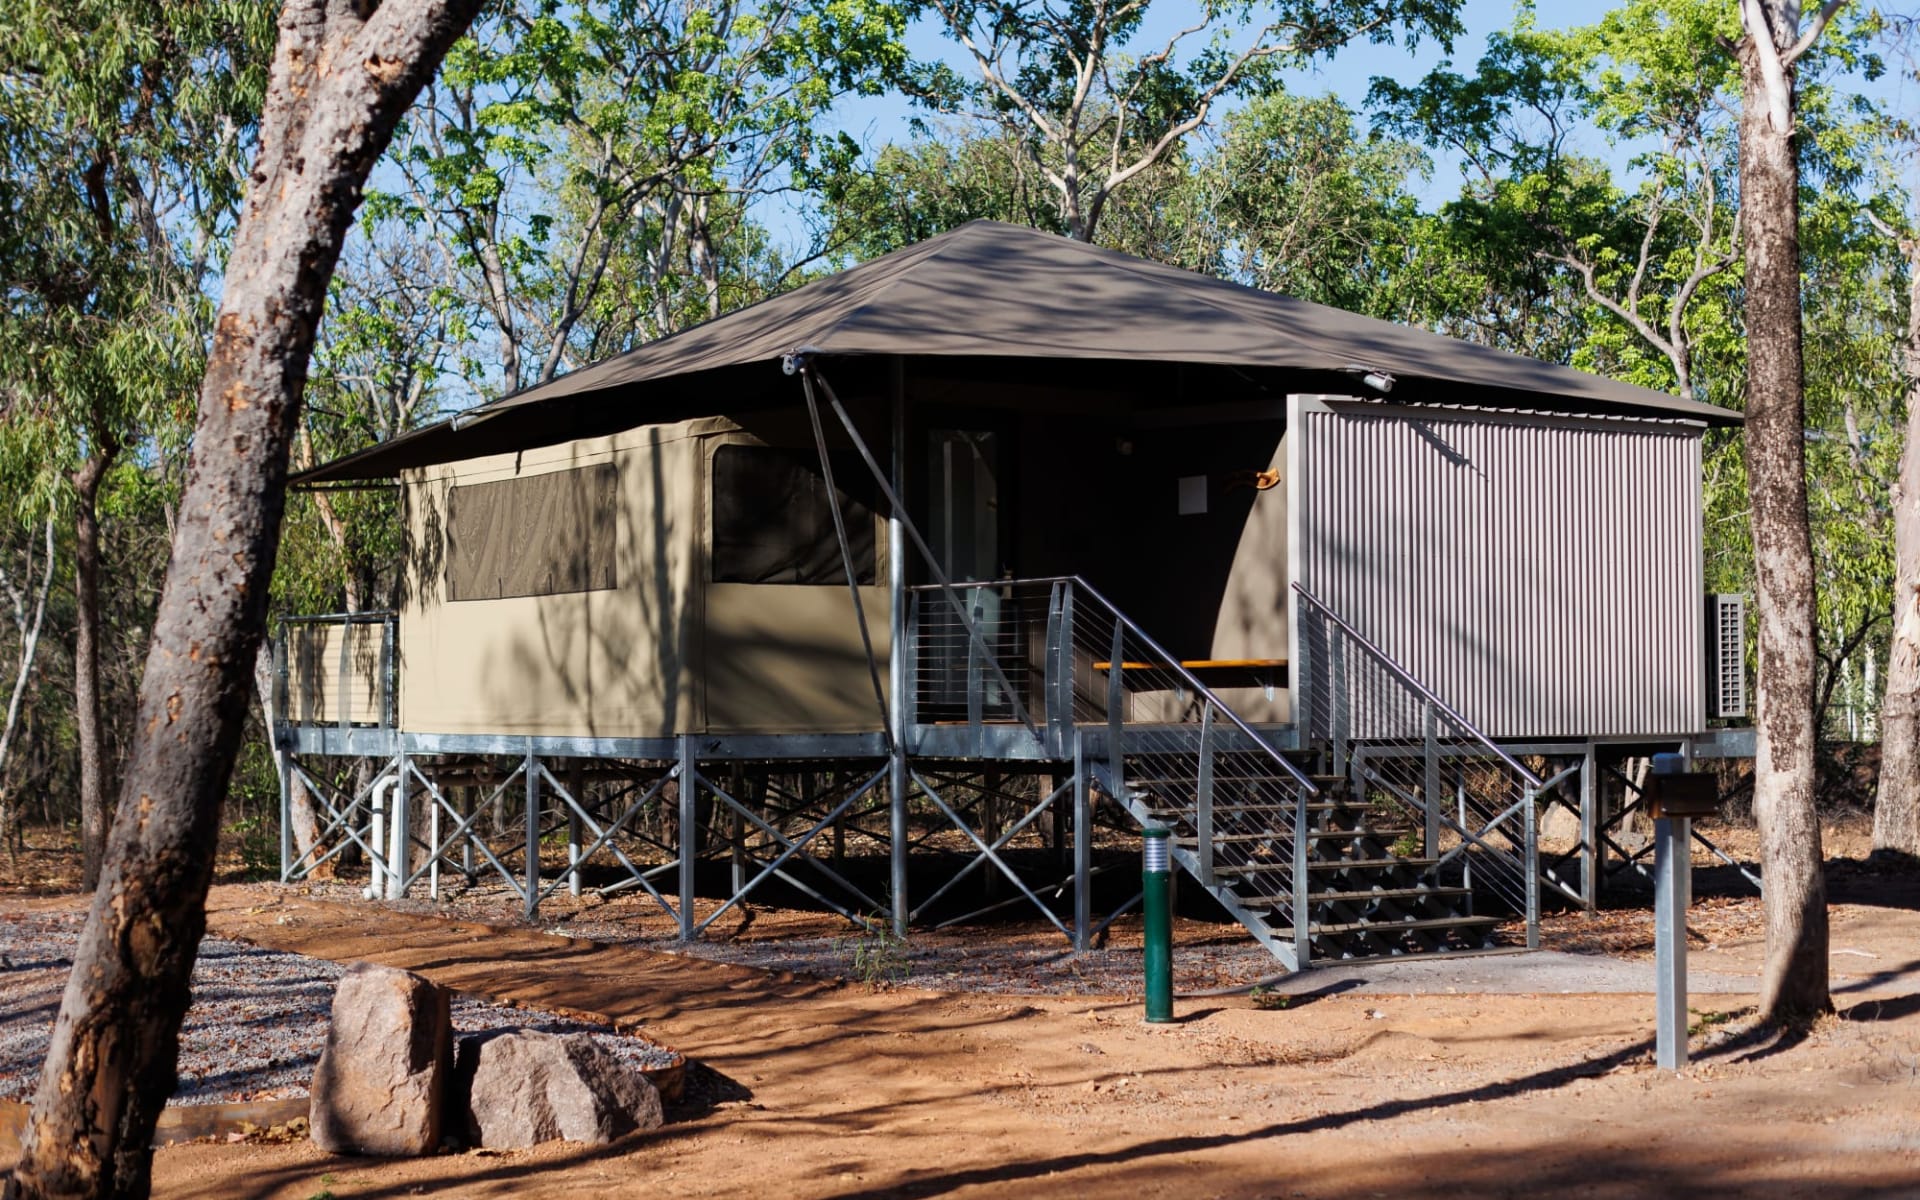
964, 468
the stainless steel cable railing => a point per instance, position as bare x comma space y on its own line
1475, 805
1175, 752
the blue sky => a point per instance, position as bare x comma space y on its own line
875, 121
1347, 73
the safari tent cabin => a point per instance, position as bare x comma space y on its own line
646, 548
1004, 498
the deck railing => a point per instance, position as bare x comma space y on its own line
338, 669
1476, 806
1174, 752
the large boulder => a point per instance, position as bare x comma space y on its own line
380, 1085
524, 1087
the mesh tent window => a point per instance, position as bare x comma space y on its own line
772, 522
541, 535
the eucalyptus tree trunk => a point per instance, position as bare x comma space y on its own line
1794, 980
29, 604
342, 75
86, 662
1896, 810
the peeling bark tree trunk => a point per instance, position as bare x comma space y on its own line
1794, 981
1896, 810
342, 74
86, 663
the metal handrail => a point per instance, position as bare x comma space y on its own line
1426, 693
1173, 664
367, 617
1200, 689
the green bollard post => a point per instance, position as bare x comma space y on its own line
1157, 903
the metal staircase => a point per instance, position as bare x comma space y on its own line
1364, 897
1374, 855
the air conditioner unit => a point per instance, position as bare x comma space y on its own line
1727, 656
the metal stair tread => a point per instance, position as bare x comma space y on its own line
1277, 834
1409, 893
1314, 806
1400, 926
1218, 779
1343, 864
1284, 904
1406, 955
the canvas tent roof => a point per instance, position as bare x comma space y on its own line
988, 290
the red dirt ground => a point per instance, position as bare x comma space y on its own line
817, 1088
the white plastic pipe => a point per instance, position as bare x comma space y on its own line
382, 791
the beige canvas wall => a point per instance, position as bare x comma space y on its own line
787, 658
607, 663
1253, 607
663, 651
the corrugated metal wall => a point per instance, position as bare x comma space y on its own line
1542, 576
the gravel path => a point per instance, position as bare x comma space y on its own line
258, 1021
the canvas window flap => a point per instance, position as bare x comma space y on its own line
540, 535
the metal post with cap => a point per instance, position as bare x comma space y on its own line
1156, 903
1675, 796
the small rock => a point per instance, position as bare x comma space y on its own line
523, 1087
380, 1085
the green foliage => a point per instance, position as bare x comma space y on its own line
1058, 79
255, 840
950, 174
574, 151
1267, 1000
877, 955
1306, 205
122, 130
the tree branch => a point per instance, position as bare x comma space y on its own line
1812, 35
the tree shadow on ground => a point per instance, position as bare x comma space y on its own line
1541, 1081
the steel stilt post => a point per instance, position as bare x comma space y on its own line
1531, 813
283, 769
1672, 871
399, 830
576, 784
533, 832
687, 836
897, 652
1589, 831
1082, 850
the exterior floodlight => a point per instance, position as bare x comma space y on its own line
1380, 381
796, 361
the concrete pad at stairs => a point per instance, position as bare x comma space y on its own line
1543, 971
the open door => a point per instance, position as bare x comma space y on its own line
964, 469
